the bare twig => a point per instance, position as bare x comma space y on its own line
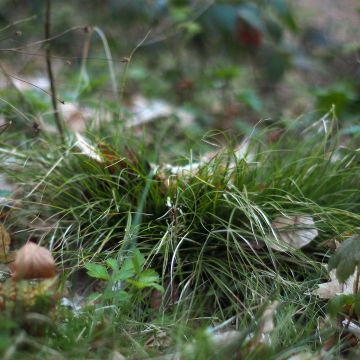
57, 118
9, 79
18, 22
46, 40
126, 69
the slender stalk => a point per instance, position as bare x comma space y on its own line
58, 120
126, 70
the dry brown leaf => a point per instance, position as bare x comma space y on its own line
159, 341
293, 232
4, 243
33, 262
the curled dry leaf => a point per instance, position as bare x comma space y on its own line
293, 232
33, 262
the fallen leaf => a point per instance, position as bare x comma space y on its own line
267, 323
346, 258
33, 261
292, 232
4, 244
333, 287
87, 149
352, 327
160, 340
115, 355
144, 111
305, 355
266, 326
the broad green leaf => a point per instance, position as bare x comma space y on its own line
148, 276
131, 266
138, 260
112, 263
147, 279
124, 274
142, 286
346, 258
120, 296
97, 271
252, 15
336, 304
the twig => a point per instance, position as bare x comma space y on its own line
125, 74
122, 60
11, 76
57, 118
46, 40
18, 22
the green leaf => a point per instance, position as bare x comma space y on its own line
249, 97
112, 263
126, 271
138, 260
335, 305
131, 266
148, 276
120, 295
252, 15
284, 12
147, 279
227, 72
357, 304
97, 271
346, 258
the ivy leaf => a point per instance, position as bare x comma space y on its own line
97, 271
346, 258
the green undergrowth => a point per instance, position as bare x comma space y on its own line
207, 232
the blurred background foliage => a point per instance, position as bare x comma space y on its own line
230, 63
